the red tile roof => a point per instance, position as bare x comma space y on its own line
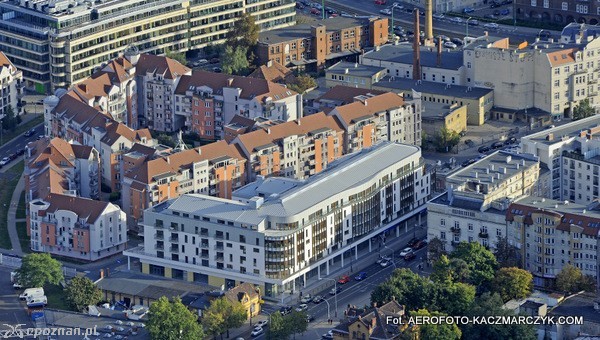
169, 68
85, 208
368, 107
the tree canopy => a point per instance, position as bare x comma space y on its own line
435, 249
506, 254
235, 61
81, 292
583, 110
172, 321
513, 283
302, 83
571, 280
244, 33
38, 270
445, 140
223, 315
481, 262
443, 331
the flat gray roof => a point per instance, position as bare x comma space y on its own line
559, 206
495, 163
403, 54
569, 130
355, 69
435, 111
290, 197
430, 87
303, 31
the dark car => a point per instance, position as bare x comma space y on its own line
473, 23
29, 133
490, 16
412, 242
497, 145
512, 140
505, 11
494, 5
13, 156
310, 318
299, 5
335, 290
409, 257
21, 152
483, 149
285, 310
468, 162
419, 245
361, 276
497, 12
468, 10
469, 142
457, 41
318, 299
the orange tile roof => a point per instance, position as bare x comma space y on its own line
169, 68
250, 87
562, 57
115, 130
4, 61
369, 107
85, 208
301, 126
274, 72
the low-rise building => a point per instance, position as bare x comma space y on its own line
77, 227
372, 324
353, 74
473, 208
478, 100
435, 117
340, 95
11, 85
551, 234
275, 72
246, 294
313, 47
276, 231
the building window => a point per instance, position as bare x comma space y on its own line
546, 3
533, 3
565, 6
583, 9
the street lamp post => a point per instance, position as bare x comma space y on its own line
328, 314
335, 288
393, 261
467, 24
392, 28
323, 8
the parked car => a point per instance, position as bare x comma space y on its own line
4, 161
456, 20
302, 307
468, 162
335, 290
217, 69
490, 16
309, 318
468, 10
12, 156
448, 44
491, 26
361, 276
512, 140
285, 310
386, 11
420, 244
384, 263
438, 16
483, 149
505, 11
457, 41
473, 22
406, 251
344, 279
410, 257
328, 335
497, 145
21, 152
315, 11
256, 332
262, 323
412, 242
29, 133
318, 299
306, 298
299, 5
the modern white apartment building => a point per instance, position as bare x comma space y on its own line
59, 43
11, 85
551, 234
570, 152
77, 227
276, 231
473, 209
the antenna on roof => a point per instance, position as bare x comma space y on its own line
180, 144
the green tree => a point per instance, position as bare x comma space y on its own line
10, 120
277, 327
172, 321
442, 331
450, 270
583, 110
296, 323
435, 249
571, 280
213, 323
512, 283
302, 83
232, 314
39, 269
244, 32
506, 254
166, 140
480, 261
177, 56
491, 305
81, 292
234, 60
408, 288
455, 298
446, 139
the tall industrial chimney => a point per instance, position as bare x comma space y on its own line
428, 23
439, 52
417, 48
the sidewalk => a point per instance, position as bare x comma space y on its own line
12, 218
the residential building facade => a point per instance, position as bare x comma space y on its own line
68, 40
353, 74
563, 12
473, 208
77, 227
321, 45
11, 86
276, 230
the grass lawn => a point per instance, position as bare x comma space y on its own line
56, 297
21, 129
6, 190
21, 206
23, 237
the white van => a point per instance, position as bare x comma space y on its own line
37, 301
31, 292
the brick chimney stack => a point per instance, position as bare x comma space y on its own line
439, 52
417, 48
428, 22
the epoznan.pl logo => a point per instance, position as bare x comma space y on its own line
15, 331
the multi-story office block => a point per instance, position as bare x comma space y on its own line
371, 119
214, 169
275, 231
11, 85
570, 153
314, 47
77, 227
551, 234
205, 101
59, 43
473, 208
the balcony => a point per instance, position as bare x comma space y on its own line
174, 249
219, 236
219, 257
158, 236
204, 245
174, 239
483, 234
204, 255
159, 246
455, 230
219, 247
